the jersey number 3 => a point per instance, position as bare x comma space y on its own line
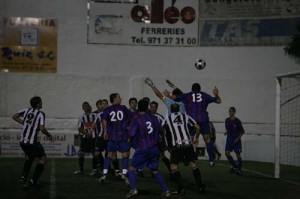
149, 127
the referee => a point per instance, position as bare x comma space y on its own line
181, 145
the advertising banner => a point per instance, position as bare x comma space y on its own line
191, 23
62, 146
28, 45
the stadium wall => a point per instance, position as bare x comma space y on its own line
245, 76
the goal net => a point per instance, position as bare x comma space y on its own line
287, 126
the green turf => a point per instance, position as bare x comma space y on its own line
220, 184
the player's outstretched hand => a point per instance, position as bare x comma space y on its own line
149, 82
215, 91
170, 84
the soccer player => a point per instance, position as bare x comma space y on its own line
114, 122
33, 121
234, 132
213, 139
181, 146
196, 103
88, 137
115, 161
145, 130
165, 96
100, 143
133, 105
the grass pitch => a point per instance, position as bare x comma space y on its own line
58, 181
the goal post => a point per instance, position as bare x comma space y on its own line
287, 125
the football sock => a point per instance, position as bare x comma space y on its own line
197, 176
106, 165
161, 181
132, 179
167, 163
230, 159
95, 162
26, 168
240, 162
210, 151
81, 162
37, 172
177, 178
125, 165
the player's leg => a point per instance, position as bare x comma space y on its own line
116, 165
39, 168
84, 146
205, 131
191, 156
111, 149
237, 151
229, 146
102, 145
153, 163
175, 158
124, 148
132, 181
216, 151
27, 164
95, 159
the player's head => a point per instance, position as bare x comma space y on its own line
143, 105
174, 108
232, 111
99, 105
104, 103
147, 99
177, 92
153, 107
133, 103
115, 98
36, 102
196, 87
86, 107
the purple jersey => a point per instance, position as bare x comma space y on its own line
117, 117
196, 104
145, 129
234, 127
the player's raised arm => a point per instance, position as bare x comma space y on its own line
172, 85
216, 94
149, 82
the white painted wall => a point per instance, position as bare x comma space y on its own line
245, 76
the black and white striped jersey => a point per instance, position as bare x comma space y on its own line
159, 117
98, 123
178, 129
32, 119
86, 122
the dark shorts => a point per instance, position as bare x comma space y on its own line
121, 146
231, 146
87, 145
205, 127
100, 144
35, 150
183, 154
146, 158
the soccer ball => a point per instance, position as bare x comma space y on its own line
200, 64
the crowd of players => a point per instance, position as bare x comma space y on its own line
114, 128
